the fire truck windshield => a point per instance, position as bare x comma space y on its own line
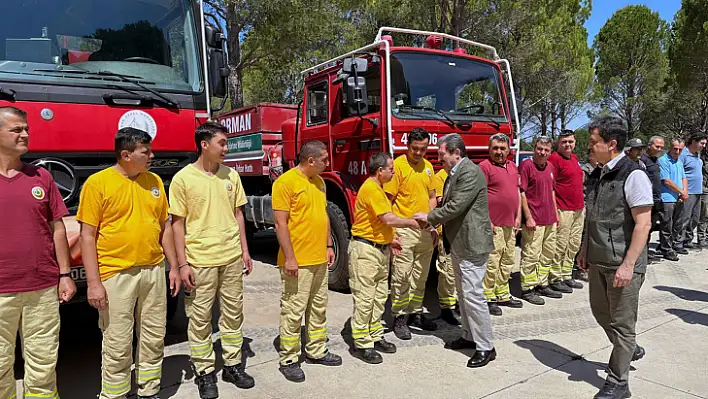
154, 41
461, 88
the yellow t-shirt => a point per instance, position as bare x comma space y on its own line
305, 201
371, 202
207, 203
128, 215
411, 185
439, 182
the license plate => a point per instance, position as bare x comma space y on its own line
78, 274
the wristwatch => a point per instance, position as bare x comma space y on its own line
62, 275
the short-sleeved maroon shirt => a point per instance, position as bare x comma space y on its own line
503, 192
28, 202
569, 182
538, 184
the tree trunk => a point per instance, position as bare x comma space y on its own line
234, 47
554, 120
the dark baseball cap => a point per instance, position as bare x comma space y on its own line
635, 143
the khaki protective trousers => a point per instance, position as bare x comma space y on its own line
136, 298
305, 295
35, 315
501, 262
447, 294
226, 283
410, 271
537, 252
368, 281
568, 237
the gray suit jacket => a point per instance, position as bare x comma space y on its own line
464, 212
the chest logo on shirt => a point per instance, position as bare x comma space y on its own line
155, 192
38, 193
229, 187
429, 172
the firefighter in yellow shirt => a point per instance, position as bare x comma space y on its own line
125, 236
369, 253
306, 252
411, 191
447, 295
209, 228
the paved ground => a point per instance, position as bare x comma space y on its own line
554, 351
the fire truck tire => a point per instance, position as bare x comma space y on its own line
339, 271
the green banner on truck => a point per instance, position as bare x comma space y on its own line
247, 143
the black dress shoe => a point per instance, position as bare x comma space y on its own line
494, 309
368, 355
421, 321
511, 303
460, 343
384, 346
613, 391
639, 353
547, 291
482, 358
400, 328
448, 316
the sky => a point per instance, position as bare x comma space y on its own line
602, 10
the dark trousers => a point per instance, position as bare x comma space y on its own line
703, 221
689, 218
669, 238
615, 310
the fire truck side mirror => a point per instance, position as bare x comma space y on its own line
357, 97
218, 73
354, 66
214, 37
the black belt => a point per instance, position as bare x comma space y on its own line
373, 244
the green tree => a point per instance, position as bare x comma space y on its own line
688, 54
632, 65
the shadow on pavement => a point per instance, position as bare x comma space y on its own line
684, 293
547, 353
264, 247
690, 317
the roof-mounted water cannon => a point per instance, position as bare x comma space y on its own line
433, 42
389, 39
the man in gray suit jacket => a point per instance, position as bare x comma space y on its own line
467, 234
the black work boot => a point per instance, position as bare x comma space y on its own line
422, 321
511, 303
670, 255
206, 383
613, 391
400, 328
531, 297
494, 309
292, 372
330, 359
149, 397
384, 346
237, 376
448, 316
369, 355
559, 286
573, 284
547, 291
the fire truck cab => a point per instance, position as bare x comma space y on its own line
368, 100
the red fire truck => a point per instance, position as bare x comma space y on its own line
83, 69
367, 101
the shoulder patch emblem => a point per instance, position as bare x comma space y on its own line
229, 187
155, 192
38, 193
429, 172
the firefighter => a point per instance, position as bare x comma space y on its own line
538, 203
370, 249
447, 295
125, 237
411, 191
570, 202
213, 257
306, 252
504, 197
35, 274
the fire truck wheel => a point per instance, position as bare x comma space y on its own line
339, 271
